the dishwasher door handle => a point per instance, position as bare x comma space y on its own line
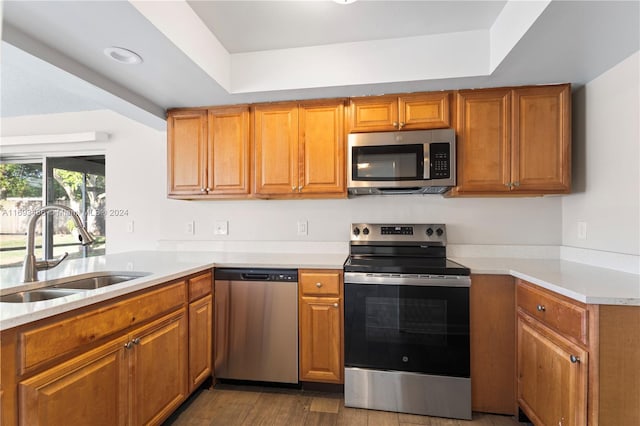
255, 277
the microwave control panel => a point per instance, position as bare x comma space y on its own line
440, 161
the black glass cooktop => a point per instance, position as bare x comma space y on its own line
404, 265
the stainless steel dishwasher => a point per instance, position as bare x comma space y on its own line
256, 324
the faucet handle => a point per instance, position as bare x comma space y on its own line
50, 263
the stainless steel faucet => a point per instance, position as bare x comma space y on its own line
31, 266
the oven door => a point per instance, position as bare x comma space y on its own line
415, 328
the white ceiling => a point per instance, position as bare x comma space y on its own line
212, 53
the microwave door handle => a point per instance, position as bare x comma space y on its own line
427, 164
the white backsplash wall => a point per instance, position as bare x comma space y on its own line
606, 163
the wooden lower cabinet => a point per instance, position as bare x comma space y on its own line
492, 338
320, 326
552, 376
89, 389
89, 367
138, 379
200, 341
158, 369
577, 364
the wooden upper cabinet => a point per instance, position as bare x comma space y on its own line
229, 151
209, 152
187, 152
299, 149
406, 112
373, 114
322, 147
424, 111
542, 139
483, 141
276, 148
514, 140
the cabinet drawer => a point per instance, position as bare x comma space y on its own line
199, 286
558, 313
65, 336
320, 283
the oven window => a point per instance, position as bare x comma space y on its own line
382, 163
407, 328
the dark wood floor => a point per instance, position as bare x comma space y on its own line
231, 405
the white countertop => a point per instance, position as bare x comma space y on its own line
161, 267
584, 283
578, 281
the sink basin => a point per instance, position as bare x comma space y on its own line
37, 295
97, 280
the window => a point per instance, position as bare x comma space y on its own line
76, 182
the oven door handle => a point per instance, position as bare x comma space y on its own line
407, 279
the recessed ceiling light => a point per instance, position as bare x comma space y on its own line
122, 55
345, 1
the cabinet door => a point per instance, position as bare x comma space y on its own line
373, 114
187, 152
276, 149
484, 148
200, 341
542, 139
90, 389
322, 148
229, 151
159, 366
321, 348
552, 390
424, 111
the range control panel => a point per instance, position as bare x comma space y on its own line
432, 233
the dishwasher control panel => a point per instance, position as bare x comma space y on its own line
256, 274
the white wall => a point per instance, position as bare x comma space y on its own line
136, 182
606, 162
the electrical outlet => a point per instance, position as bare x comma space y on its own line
222, 227
130, 226
190, 228
582, 230
303, 228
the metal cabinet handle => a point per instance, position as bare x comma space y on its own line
318, 285
293, 188
395, 124
300, 188
516, 184
541, 308
128, 345
208, 189
136, 341
401, 125
574, 359
335, 305
508, 185
203, 190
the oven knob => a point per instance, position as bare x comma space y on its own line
439, 231
405, 359
365, 231
429, 231
356, 231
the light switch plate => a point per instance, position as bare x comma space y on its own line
582, 230
303, 228
190, 227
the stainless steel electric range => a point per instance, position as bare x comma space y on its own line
406, 324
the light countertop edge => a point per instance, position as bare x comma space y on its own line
584, 283
161, 267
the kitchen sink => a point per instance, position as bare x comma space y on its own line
37, 295
97, 280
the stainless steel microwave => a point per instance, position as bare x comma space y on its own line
408, 162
